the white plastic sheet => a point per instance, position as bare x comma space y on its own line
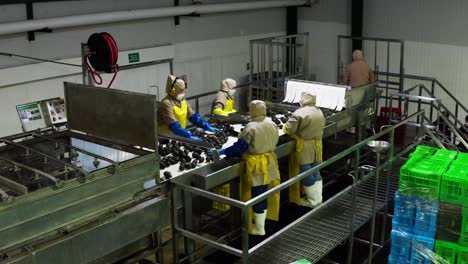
328, 96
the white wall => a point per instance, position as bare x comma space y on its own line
435, 43
207, 48
325, 21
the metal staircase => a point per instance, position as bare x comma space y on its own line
442, 119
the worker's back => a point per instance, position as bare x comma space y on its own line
358, 73
311, 122
262, 136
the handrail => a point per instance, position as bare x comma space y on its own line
370, 38
425, 78
331, 160
439, 106
246, 252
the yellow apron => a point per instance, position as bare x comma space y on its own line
180, 114
225, 189
259, 165
228, 109
295, 190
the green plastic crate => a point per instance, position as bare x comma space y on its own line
422, 178
454, 185
464, 228
462, 255
446, 250
442, 154
461, 160
423, 151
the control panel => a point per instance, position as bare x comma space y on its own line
41, 114
56, 111
31, 116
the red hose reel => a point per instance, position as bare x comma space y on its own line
102, 56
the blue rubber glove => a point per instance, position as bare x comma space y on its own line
197, 120
196, 138
211, 152
213, 129
237, 149
178, 130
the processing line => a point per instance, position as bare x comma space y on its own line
359, 110
97, 191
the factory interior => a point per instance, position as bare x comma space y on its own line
222, 131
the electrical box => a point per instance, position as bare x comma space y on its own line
42, 114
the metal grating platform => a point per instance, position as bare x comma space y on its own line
329, 226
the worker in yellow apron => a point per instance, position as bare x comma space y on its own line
256, 145
306, 127
223, 104
174, 111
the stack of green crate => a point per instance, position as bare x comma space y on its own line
422, 173
453, 223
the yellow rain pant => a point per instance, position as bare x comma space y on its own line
295, 190
258, 164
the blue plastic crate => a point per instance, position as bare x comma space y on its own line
404, 213
422, 249
400, 251
425, 222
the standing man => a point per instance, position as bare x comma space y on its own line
256, 145
174, 111
306, 127
223, 104
359, 72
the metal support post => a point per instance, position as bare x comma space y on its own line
245, 234
175, 237
353, 209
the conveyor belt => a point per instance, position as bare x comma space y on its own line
329, 226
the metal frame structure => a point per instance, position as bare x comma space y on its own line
434, 88
198, 182
272, 61
382, 77
444, 115
340, 226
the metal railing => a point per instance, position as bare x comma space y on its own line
272, 61
444, 116
378, 60
436, 90
246, 252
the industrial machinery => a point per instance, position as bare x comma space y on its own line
103, 189
77, 195
190, 186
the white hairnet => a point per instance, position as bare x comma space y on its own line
179, 85
308, 99
227, 84
257, 108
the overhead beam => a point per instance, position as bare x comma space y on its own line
11, 2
